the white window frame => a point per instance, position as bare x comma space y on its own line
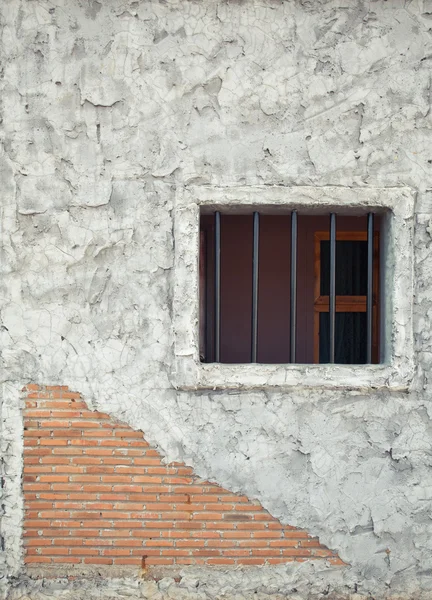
396, 369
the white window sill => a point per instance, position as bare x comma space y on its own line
191, 376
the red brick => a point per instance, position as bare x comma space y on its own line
220, 543
265, 534
84, 551
157, 561
97, 493
81, 496
98, 561
54, 460
67, 469
132, 561
37, 542
38, 523
116, 552
93, 542
251, 561
323, 552
53, 478
171, 533
85, 533
221, 561
284, 543
38, 559
66, 542
130, 543
190, 543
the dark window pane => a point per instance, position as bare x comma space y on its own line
351, 268
350, 338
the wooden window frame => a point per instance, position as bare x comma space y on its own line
345, 303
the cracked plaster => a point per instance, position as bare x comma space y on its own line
110, 108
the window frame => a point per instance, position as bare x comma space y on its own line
397, 366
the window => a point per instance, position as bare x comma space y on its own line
351, 296
194, 311
246, 308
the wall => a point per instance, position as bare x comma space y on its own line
108, 109
96, 493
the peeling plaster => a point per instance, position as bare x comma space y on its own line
109, 110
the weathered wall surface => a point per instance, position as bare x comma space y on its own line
107, 109
96, 493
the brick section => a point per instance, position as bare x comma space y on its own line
97, 493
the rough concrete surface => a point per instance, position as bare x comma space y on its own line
109, 108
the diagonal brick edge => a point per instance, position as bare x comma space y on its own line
96, 493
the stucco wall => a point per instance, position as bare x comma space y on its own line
109, 109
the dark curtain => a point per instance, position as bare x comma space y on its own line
351, 268
350, 337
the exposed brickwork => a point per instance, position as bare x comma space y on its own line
97, 493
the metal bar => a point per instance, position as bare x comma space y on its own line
369, 302
293, 285
217, 286
255, 262
203, 304
332, 291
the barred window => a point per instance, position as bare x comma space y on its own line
289, 288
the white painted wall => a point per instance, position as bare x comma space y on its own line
109, 110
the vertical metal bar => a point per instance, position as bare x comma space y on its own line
332, 292
255, 262
217, 286
203, 306
293, 285
369, 301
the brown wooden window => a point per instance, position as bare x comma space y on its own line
259, 253
351, 296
